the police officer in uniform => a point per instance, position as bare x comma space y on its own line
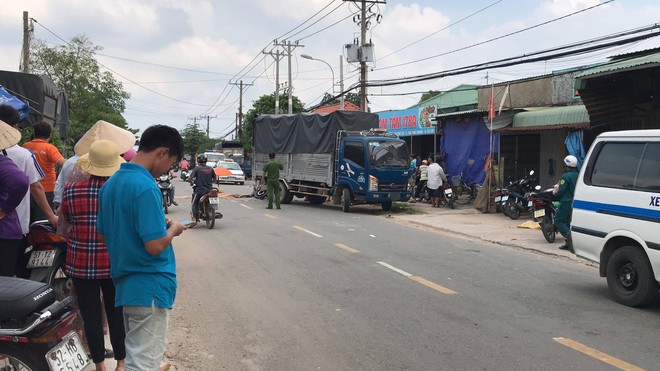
271, 172
565, 190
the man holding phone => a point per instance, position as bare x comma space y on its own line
139, 241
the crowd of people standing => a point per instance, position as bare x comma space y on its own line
119, 244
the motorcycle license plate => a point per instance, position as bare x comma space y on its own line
448, 191
539, 213
498, 198
68, 355
41, 258
530, 203
505, 198
214, 200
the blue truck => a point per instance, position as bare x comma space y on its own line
340, 157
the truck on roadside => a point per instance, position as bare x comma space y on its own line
340, 156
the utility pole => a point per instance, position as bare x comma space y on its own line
364, 25
289, 47
25, 51
363, 64
208, 121
239, 121
278, 56
341, 82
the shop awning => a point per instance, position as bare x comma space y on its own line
571, 117
618, 65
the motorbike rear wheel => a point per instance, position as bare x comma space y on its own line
514, 212
548, 229
209, 215
21, 357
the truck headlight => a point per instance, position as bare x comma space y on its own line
373, 183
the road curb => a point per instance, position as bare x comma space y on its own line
571, 257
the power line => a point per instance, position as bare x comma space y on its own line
498, 37
122, 76
524, 59
444, 28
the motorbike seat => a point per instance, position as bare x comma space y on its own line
20, 298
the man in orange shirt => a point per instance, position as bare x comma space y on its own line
47, 156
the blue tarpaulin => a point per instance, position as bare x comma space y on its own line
575, 147
465, 147
6, 98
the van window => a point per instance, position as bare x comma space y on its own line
648, 178
617, 165
354, 151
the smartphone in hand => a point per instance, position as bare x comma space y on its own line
187, 223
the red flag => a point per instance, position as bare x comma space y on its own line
491, 105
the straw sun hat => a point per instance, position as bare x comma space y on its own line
102, 159
123, 138
8, 135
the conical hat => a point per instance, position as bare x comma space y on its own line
123, 138
8, 135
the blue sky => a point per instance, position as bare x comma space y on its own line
217, 38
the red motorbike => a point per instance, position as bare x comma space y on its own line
37, 331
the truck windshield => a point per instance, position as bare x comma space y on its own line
388, 153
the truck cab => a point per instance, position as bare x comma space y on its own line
373, 167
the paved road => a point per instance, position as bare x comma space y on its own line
312, 288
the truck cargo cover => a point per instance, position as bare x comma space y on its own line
307, 133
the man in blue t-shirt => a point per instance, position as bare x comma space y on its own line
139, 241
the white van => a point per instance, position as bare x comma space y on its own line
616, 213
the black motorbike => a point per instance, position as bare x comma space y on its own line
37, 331
518, 192
184, 175
259, 190
165, 184
544, 211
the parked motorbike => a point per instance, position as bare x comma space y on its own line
518, 191
165, 185
543, 204
500, 196
37, 331
259, 191
47, 258
208, 208
449, 195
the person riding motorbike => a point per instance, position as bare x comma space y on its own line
172, 175
565, 190
202, 177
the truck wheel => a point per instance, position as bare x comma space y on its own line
286, 196
630, 277
387, 206
345, 199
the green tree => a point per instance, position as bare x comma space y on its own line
195, 140
93, 95
349, 97
428, 95
265, 105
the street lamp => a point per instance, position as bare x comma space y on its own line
341, 99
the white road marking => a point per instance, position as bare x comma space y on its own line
247, 207
270, 216
395, 269
307, 231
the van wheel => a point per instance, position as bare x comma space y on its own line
630, 277
345, 199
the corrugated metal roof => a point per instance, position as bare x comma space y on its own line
555, 117
645, 61
458, 113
